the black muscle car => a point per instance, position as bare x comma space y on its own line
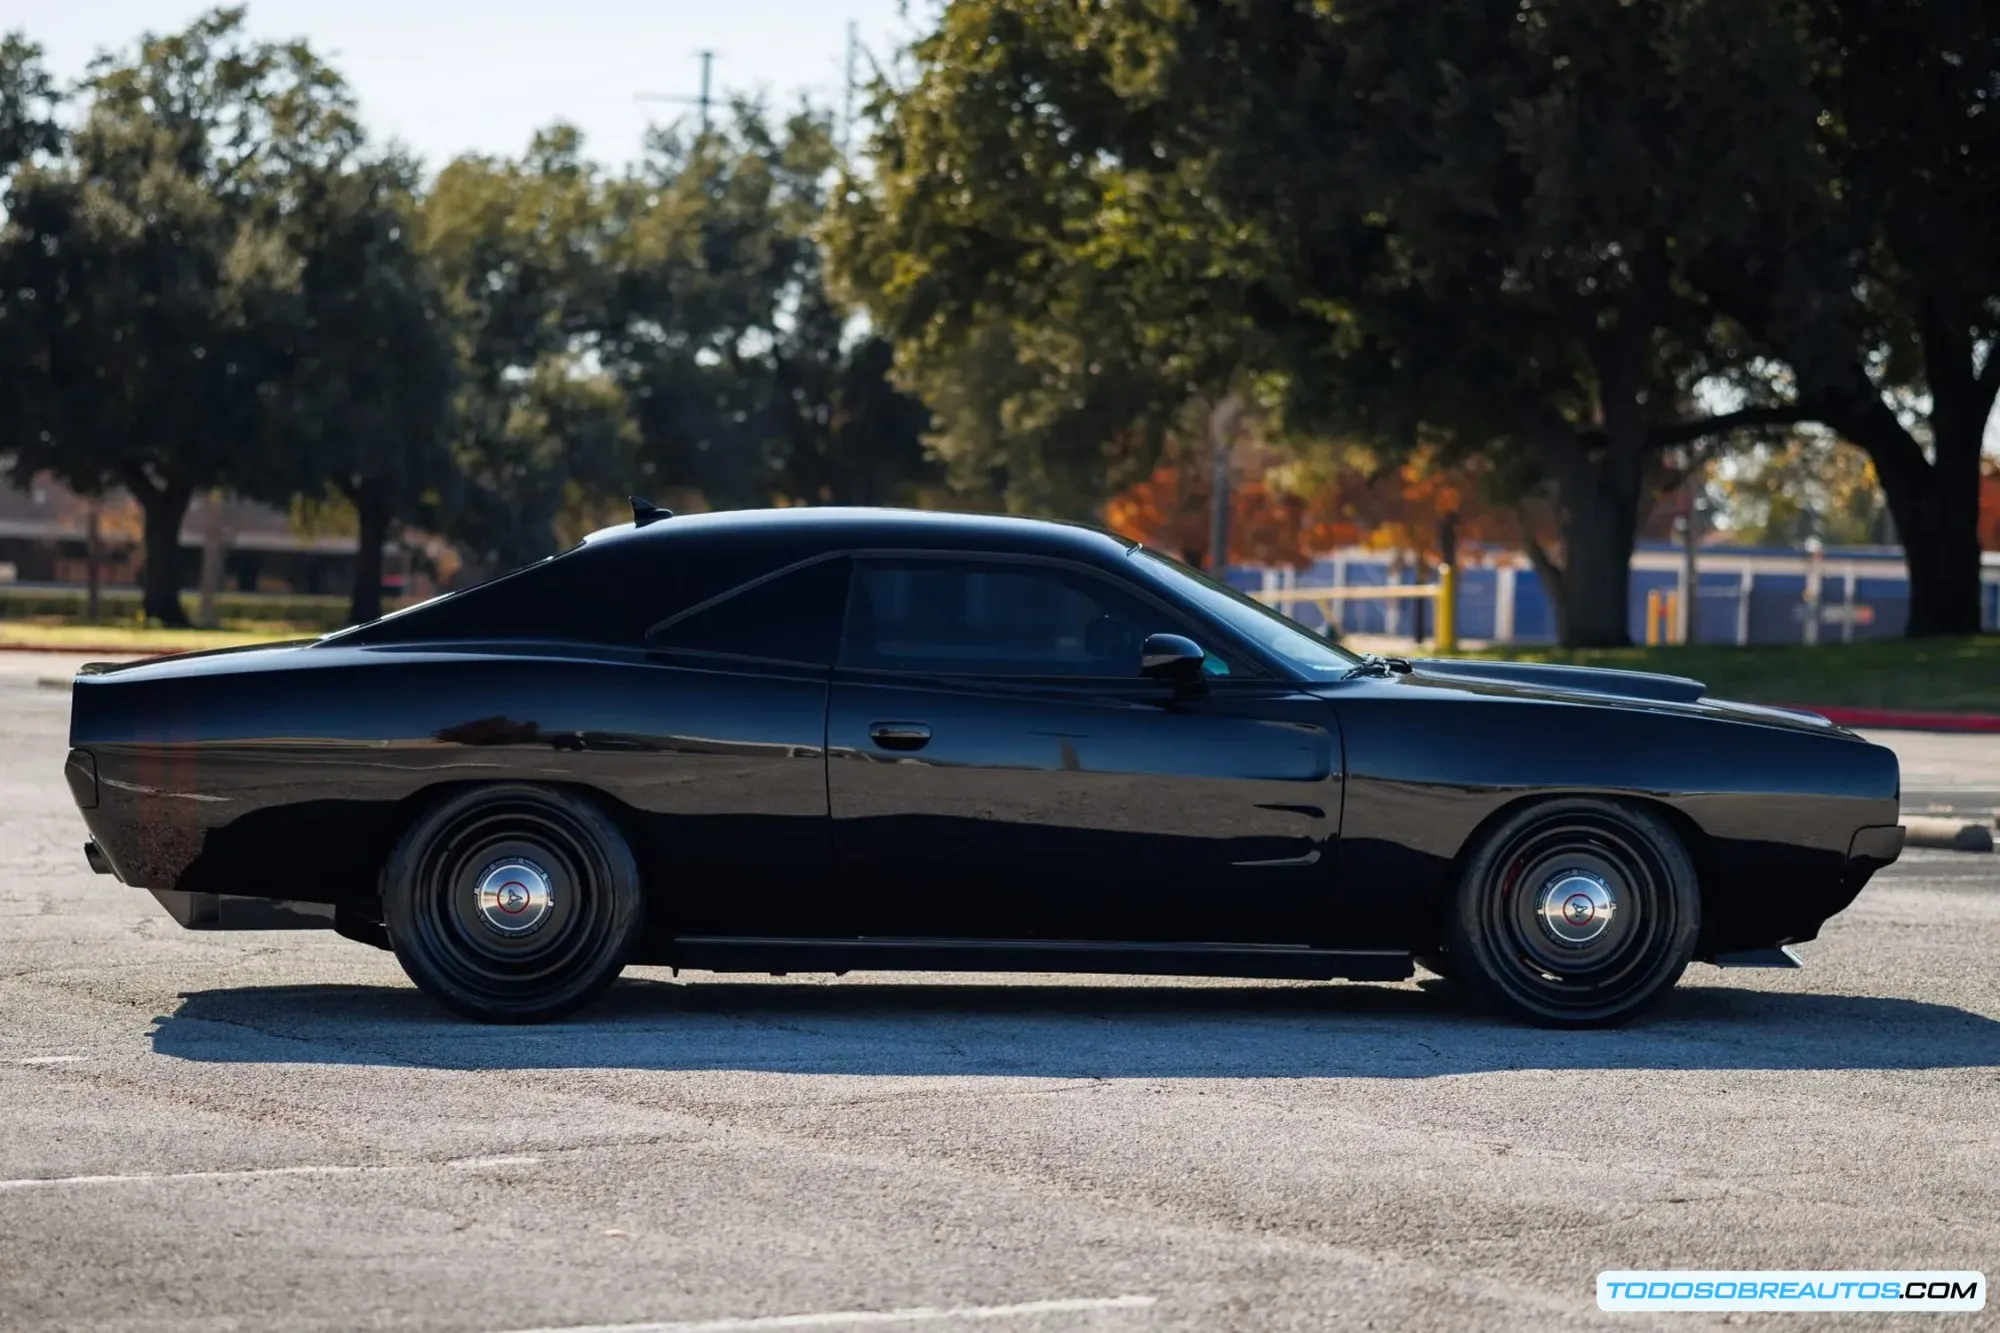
828, 739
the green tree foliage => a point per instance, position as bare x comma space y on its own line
149, 273
1046, 252
749, 382
540, 424
366, 398
1808, 486
1460, 223
28, 102
1873, 263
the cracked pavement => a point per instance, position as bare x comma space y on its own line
274, 1131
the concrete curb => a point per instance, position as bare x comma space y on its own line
1956, 835
1904, 719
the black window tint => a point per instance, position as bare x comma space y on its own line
794, 617
994, 618
609, 592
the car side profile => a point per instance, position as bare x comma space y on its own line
839, 739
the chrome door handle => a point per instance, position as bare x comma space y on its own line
900, 735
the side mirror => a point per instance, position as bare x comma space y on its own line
1173, 657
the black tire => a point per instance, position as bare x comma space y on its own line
561, 910
1530, 933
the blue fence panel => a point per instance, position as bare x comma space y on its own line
1775, 613
1775, 603
1478, 602
1534, 611
1370, 617
1720, 594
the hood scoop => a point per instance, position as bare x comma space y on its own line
1576, 679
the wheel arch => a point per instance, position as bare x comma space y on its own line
409, 808
1693, 838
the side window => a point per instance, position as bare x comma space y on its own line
992, 618
793, 617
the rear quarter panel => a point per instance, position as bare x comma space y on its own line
291, 773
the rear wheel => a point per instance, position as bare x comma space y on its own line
1576, 912
512, 903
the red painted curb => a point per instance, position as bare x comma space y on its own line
1904, 719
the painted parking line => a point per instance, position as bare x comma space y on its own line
259, 1172
863, 1318
42, 1060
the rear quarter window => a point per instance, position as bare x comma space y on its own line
607, 592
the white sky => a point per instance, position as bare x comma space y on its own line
452, 76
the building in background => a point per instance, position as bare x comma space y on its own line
45, 543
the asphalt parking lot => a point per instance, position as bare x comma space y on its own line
274, 1131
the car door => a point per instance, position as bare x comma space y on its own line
998, 768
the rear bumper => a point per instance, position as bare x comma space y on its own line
226, 911
1872, 848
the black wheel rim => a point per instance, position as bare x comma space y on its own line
1581, 914
510, 842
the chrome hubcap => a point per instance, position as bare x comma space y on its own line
1575, 907
514, 896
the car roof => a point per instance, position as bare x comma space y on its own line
859, 528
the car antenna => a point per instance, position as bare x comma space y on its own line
644, 511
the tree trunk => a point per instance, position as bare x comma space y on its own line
1935, 506
93, 555
371, 506
216, 539
1597, 571
165, 509
1597, 501
1936, 510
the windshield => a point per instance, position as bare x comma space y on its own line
1281, 636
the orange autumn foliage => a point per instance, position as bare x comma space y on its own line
1400, 509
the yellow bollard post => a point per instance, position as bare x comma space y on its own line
1447, 612
1652, 617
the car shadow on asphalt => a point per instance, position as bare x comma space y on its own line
1034, 1030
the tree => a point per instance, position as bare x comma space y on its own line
1058, 293
368, 389
1463, 226
1809, 486
1873, 266
151, 277
29, 100
540, 426
749, 380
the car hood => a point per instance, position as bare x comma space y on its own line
1571, 679
1542, 680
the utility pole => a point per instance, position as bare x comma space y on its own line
1225, 419
702, 102
1689, 529
847, 101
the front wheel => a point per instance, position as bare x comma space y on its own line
1575, 912
512, 903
